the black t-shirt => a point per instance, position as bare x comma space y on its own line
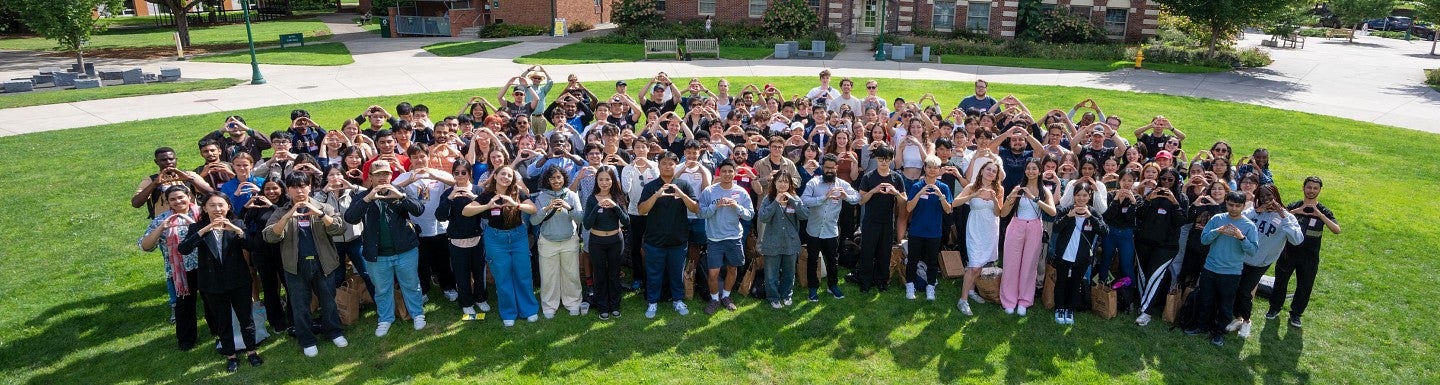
1100, 155
880, 209
1153, 144
499, 218
624, 122
1014, 165
666, 225
1311, 225
663, 107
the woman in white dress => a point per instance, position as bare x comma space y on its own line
982, 229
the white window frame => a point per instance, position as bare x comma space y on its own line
702, 4
935, 15
1122, 25
751, 4
970, 14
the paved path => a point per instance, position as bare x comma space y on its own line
1375, 80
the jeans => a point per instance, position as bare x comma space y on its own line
830, 247
508, 252
1304, 264
662, 263
238, 301
605, 259
779, 276
925, 250
876, 243
385, 270
354, 251
1217, 300
559, 274
1022, 253
435, 261
311, 279
1244, 297
468, 264
1120, 240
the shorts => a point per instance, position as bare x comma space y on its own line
728, 252
697, 231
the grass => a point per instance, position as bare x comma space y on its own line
462, 48
1071, 64
373, 26
68, 96
266, 33
324, 54
85, 306
133, 21
587, 53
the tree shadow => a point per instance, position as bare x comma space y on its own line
1247, 86
1348, 43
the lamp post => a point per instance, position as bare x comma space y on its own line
880, 54
255, 77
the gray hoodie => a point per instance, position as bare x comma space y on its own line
1275, 229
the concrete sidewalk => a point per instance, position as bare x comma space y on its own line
1375, 80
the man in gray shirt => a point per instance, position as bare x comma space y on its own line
823, 196
723, 206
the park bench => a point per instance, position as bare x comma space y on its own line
707, 46
662, 47
1336, 32
1292, 41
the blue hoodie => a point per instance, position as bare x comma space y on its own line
1227, 254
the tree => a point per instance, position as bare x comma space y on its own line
1429, 11
1225, 15
1353, 12
69, 23
790, 19
181, 10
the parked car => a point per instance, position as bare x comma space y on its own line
1389, 23
1423, 30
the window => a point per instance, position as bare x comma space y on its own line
1080, 10
814, 5
944, 18
660, 5
757, 8
977, 18
707, 7
1115, 21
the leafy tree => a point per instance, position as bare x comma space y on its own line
69, 23
1429, 11
1353, 12
181, 10
1220, 16
1028, 18
630, 13
790, 19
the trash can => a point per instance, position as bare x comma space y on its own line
385, 27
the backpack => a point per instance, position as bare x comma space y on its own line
1189, 315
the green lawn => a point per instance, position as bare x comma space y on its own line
266, 33
1071, 64
462, 48
133, 21
324, 54
83, 305
585, 53
68, 96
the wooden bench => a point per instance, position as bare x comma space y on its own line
696, 46
1292, 41
1336, 32
292, 38
665, 47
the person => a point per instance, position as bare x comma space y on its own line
1023, 238
391, 245
1015, 156
1302, 260
781, 212
507, 247
148, 194
1156, 138
605, 214
928, 197
559, 218
1232, 239
823, 92
640, 172
665, 202
337, 193
467, 258
880, 198
723, 207
165, 232
222, 275
1076, 235
429, 185
236, 138
303, 229
845, 98
982, 227
979, 102
773, 163
824, 197
1259, 164
1157, 238
1276, 227
265, 256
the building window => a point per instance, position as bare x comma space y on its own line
1080, 10
660, 5
1115, 21
944, 17
977, 17
757, 7
814, 5
707, 7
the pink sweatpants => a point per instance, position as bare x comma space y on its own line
1022, 253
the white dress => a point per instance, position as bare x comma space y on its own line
982, 233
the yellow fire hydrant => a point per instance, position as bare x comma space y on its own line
1139, 58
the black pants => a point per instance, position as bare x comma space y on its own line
435, 261
633, 235
1303, 264
311, 279
873, 266
849, 219
606, 255
1217, 300
187, 328
267, 264
831, 247
1150, 260
468, 265
1068, 278
220, 305
1244, 300
923, 250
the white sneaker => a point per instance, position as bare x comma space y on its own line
584, 308
974, 296
909, 291
382, 329
1234, 325
650, 311
419, 322
451, 295
533, 318
776, 305
341, 342
1245, 330
311, 351
1009, 310
930, 292
964, 307
484, 306
549, 315
508, 322
467, 310
681, 308
574, 312
1020, 311
1143, 319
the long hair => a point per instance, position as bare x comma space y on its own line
783, 174
205, 215
616, 193
980, 175
492, 184
1274, 193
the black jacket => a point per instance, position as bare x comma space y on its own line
1160, 221
214, 275
460, 226
1089, 238
398, 212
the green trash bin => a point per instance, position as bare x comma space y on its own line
385, 27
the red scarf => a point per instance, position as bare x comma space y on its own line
172, 245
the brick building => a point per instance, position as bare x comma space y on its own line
435, 17
1130, 21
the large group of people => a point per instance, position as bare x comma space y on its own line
566, 193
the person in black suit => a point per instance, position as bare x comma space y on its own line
224, 274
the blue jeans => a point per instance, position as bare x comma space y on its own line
660, 263
508, 252
353, 250
312, 279
388, 268
779, 276
1120, 240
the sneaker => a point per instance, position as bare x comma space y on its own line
382, 329
425, 298
813, 296
484, 306
549, 315
1218, 340
974, 296
776, 304
1272, 314
532, 318
311, 351
930, 292
1143, 319
1060, 317
1020, 311
650, 311
1245, 330
729, 305
508, 323
1294, 321
419, 322
615, 314
909, 291
604, 316
340, 342
1009, 310
712, 307
254, 359
232, 365
451, 295
964, 307
1069, 317
788, 301
681, 308
574, 312
584, 308
835, 291
1234, 325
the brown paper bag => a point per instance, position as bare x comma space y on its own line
989, 284
951, 265
584, 267
897, 265
1102, 301
802, 268
757, 266
1047, 296
1173, 301
348, 305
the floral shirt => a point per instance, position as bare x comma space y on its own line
191, 261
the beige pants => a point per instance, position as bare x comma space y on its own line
559, 274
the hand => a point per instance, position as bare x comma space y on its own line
248, 188
259, 202
987, 194
607, 203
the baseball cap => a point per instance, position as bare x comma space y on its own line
1164, 154
518, 91
797, 125
379, 166
620, 83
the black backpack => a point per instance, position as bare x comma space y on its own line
1189, 315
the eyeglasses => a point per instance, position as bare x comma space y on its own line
870, 87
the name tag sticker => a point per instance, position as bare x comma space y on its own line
1313, 221
789, 210
495, 212
1160, 211
745, 180
1088, 227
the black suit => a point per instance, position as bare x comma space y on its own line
224, 281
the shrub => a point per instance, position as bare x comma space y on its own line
1062, 27
1016, 48
1312, 32
631, 13
1253, 57
312, 5
579, 26
729, 34
1388, 34
1432, 77
382, 7
509, 30
790, 19
1198, 33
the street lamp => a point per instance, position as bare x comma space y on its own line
255, 77
880, 38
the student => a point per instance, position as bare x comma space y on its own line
1232, 239
1258, 164
979, 102
1276, 227
723, 206
1023, 236
429, 185
781, 213
391, 245
223, 277
641, 171
1302, 259
236, 138
982, 227
165, 232
605, 214
824, 196
467, 257
1076, 234
303, 229
881, 196
928, 204
665, 202
559, 218
149, 192
265, 256
507, 245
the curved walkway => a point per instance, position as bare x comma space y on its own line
1374, 80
